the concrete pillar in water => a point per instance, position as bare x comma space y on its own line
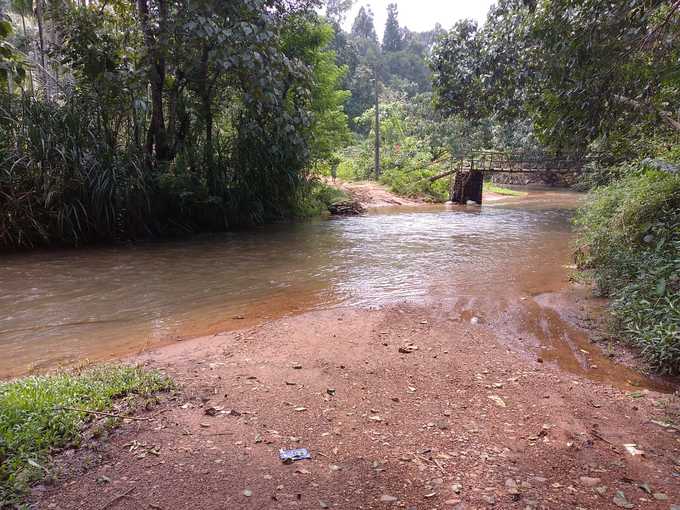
468, 185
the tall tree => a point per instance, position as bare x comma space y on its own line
364, 26
392, 37
336, 10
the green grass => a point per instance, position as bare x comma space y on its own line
490, 186
33, 423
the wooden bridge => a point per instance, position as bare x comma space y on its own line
467, 172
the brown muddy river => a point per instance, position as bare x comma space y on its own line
65, 307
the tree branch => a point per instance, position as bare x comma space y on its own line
665, 116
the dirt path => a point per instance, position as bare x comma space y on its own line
470, 419
373, 195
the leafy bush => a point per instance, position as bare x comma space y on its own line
317, 197
629, 237
33, 421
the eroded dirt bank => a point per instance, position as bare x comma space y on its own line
373, 195
472, 418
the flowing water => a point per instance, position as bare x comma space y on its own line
64, 307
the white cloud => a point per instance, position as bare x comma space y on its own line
421, 15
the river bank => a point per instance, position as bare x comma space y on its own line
448, 405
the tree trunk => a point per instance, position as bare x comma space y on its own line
39, 14
28, 68
156, 138
377, 125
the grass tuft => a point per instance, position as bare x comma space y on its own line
493, 188
33, 423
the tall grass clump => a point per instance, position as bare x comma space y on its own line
629, 242
60, 182
34, 421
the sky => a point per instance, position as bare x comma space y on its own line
421, 15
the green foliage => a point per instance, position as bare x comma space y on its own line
392, 39
33, 422
12, 63
363, 26
175, 117
401, 65
329, 128
629, 237
318, 198
553, 62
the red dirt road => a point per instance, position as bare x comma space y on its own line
469, 420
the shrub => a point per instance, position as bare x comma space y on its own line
629, 237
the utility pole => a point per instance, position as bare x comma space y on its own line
377, 124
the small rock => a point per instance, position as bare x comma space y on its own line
330, 391
457, 488
491, 500
247, 493
430, 495
633, 449
297, 366
323, 504
375, 418
588, 481
205, 425
601, 490
660, 496
498, 400
474, 320
621, 501
388, 499
408, 349
645, 487
511, 485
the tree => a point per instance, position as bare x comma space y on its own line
363, 26
173, 116
582, 71
336, 10
392, 38
457, 67
307, 38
